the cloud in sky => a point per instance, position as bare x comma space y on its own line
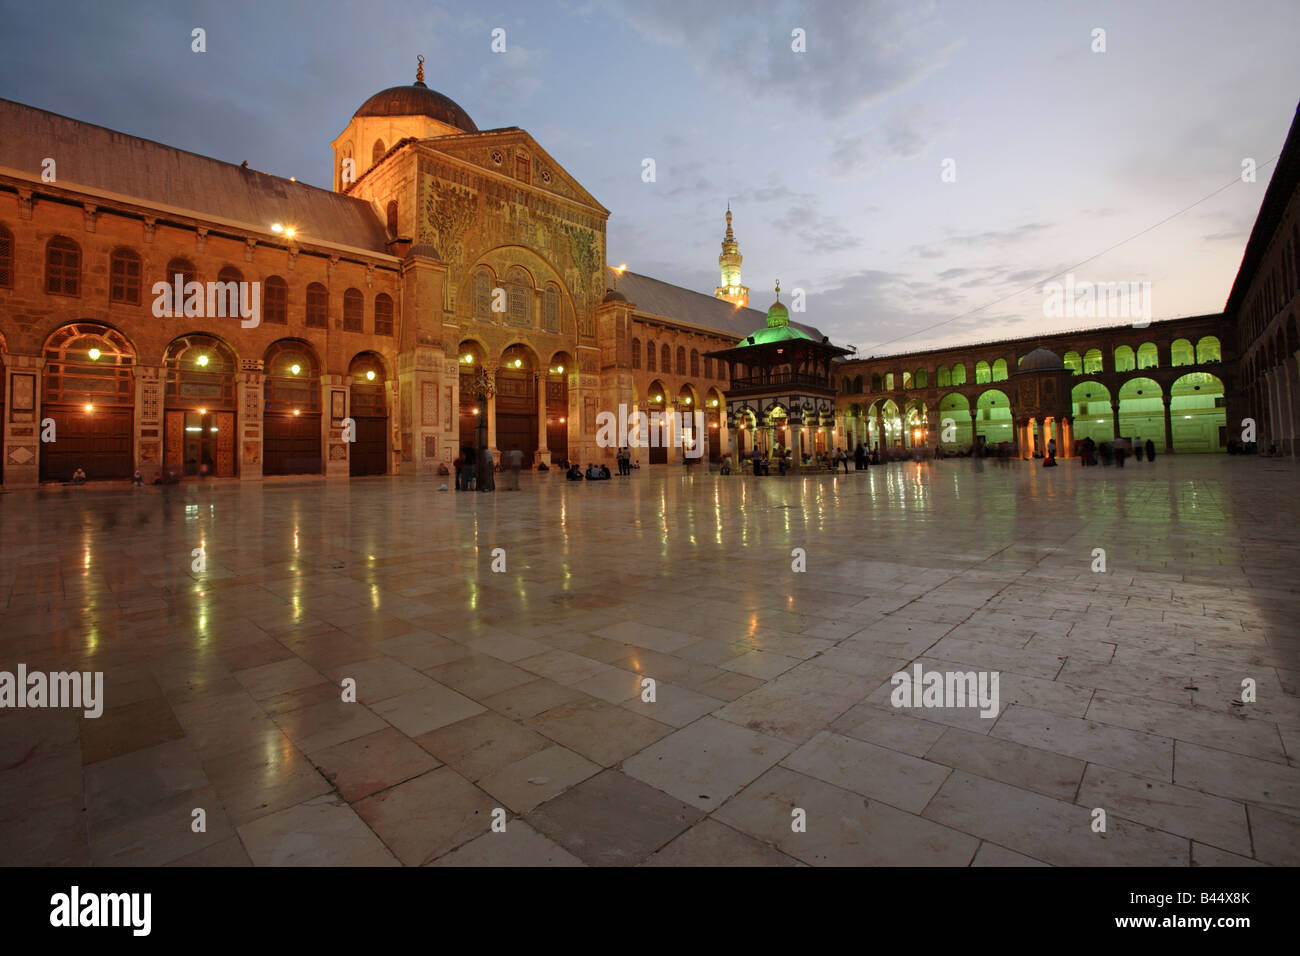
830, 158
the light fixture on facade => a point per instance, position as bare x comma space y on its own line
476, 411
370, 375
94, 355
561, 420
202, 360
659, 398
519, 363
559, 369
90, 408
467, 359
276, 227
203, 411
687, 399
296, 412
290, 231
295, 369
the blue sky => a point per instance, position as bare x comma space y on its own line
831, 158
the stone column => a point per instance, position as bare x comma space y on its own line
492, 370
248, 440
1114, 411
1067, 438
22, 427
543, 455
1169, 425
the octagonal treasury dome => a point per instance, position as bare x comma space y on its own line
1041, 360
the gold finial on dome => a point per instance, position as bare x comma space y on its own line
419, 71
778, 290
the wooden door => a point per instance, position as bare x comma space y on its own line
291, 445
100, 442
225, 444
368, 454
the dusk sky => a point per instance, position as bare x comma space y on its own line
831, 159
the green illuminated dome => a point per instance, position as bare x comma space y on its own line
777, 316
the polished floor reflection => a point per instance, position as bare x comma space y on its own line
517, 694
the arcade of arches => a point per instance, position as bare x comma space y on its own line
1168, 383
201, 411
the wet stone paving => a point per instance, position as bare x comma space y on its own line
1145, 714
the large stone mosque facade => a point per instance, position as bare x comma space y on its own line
448, 275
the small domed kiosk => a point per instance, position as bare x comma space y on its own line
1042, 395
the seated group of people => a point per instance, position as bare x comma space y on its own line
593, 473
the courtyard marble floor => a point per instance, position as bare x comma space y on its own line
521, 690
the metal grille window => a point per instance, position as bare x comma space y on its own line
123, 277
354, 305
275, 301
483, 295
6, 258
383, 314
551, 310
62, 267
318, 301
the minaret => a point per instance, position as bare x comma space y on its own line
731, 290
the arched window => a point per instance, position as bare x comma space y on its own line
1148, 356
959, 374
857, 385
875, 383
695, 363
944, 376
681, 360
383, 314
519, 293
354, 307
907, 380
708, 367
1207, 350
651, 359
551, 309
62, 266
183, 268
6, 258
318, 306
889, 381
636, 353
88, 363
483, 295
377, 153
1180, 353
666, 358
1073, 362
1000, 370
226, 302
921, 379
123, 277
1125, 361
275, 301
391, 212
1092, 361
983, 375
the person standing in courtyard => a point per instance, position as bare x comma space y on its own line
1151, 450
515, 460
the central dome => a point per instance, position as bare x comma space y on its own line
1041, 360
417, 100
